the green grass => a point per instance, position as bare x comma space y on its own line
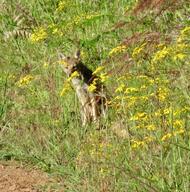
143, 143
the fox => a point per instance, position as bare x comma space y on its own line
93, 104
75, 64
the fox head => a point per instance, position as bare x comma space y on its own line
69, 63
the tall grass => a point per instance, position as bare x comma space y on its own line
143, 143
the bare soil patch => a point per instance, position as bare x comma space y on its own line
19, 178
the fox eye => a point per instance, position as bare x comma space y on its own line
68, 58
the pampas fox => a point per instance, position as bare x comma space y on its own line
93, 104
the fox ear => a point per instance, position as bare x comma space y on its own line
77, 54
61, 56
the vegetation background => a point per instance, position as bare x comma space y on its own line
140, 50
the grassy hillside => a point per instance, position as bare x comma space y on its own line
141, 51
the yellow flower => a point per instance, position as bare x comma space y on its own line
100, 68
130, 89
87, 17
185, 30
138, 50
122, 78
181, 46
167, 136
179, 56
24, 80
143, 87
117, 98
167, 111
39, 34
159, 55
139, 116
120, 88
178, 123
92, 87
151, 81
137, 144
184, 34
144, 98
103, 77
65, 89
178, 132
117, 49
160, 46
162, 93
73, 75
175, 133
80, 18
132, 101
55, 30
61, 6
148, 139
151, 127
45, 65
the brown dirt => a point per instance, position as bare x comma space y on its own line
18, 178
160, 5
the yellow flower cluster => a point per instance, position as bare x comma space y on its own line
130, 90
175, 133
103, 77
135, 92
138, 144
84, 17
39, 34
118, 49
178, 123
24, 80
88, 17
137, 51
93, 86
151, 127
55, 30
61, 6
163, 93
99, 69
180, 49
179, 56
67, 85
161, 54
139, 116
73, 75
121, 88
65, 89
185, 32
